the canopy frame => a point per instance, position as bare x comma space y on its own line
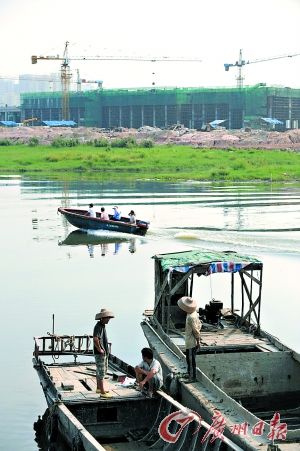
171, 284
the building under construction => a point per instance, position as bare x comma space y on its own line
164, 107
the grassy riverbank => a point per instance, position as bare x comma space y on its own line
159, 162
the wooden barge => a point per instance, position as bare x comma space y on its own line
128, 421
242, 372
81, 415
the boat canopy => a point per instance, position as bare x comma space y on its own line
174, 278
208, 261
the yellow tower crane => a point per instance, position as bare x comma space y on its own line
240, 63
65, 77
66, 74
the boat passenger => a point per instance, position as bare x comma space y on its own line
104, 215
91, 212
192, 334
116, 214
132, 217
149, 372
101, 350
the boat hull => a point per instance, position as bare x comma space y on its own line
205, 396
79, 219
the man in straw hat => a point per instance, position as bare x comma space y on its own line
101, 350
192, 333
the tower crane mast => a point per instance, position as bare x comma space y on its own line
240, 63
66, 74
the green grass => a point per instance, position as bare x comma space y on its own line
160, 162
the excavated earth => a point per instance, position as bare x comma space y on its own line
257, 139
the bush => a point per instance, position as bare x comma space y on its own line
124, 142
33, 142
5, 142
61, 142
147, 143
102, 142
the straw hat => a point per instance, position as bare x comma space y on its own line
187, 304
104, 314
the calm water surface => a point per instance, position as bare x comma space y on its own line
46, 268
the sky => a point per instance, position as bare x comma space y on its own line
212, 31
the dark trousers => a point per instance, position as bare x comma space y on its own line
190, 355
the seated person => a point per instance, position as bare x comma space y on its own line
91, 212
104, 215
116, 214
132, 217
149, 372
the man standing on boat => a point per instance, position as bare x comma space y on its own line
149, 372
101, 350
192, 334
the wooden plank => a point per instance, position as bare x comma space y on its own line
78, 386
71, 396
91, 383
127, 392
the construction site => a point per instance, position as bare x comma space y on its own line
245, 116
194, 108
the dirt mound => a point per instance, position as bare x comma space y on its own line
258, 139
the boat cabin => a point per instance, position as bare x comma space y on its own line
174, 277
235, 353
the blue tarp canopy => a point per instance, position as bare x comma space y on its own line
271, 121
59, 123
8, 123
217, 122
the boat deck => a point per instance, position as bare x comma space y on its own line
78, 383
229, 338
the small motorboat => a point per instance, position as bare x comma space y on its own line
80, 219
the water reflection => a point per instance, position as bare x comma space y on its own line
132, 245
108, 244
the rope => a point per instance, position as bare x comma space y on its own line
210, 287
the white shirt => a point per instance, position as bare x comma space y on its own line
154, 365
132, 219
192, 330
92, 212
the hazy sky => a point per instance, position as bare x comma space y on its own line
213, 31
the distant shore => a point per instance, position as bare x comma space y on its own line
166, 162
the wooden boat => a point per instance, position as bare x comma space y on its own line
76, 410
244, 373
79, 218
77, 416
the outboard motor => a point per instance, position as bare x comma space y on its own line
211, 314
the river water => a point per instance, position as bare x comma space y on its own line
48, 269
